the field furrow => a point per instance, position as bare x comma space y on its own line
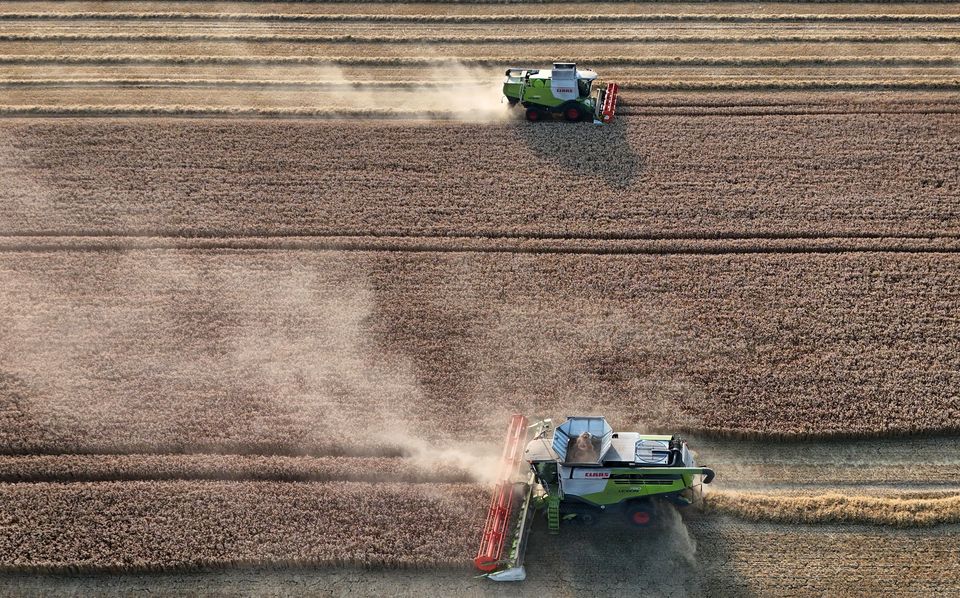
267, 30
423, 466
937, 15
477, 7
67, 33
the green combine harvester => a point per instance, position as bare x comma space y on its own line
580, 471
576, 95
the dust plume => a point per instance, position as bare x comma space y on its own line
195, 352
662, 559
447, 90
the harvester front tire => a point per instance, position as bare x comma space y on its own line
573, 113
534, 115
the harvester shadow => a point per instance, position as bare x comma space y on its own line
613, 556
585, 150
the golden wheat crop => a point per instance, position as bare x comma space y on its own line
174, 524
838, 508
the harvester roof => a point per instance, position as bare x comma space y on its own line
590, 441
560, 68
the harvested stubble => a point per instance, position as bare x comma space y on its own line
291, 100
160, 34
680, 62
396, 101
739, 558
896, 477
161, 525
485, 7
72, 468
268, 32
491, 54
659, 176
837, 508
516, 17
266, 351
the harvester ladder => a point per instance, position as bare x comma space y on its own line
553, 514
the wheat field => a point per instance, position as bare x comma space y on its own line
274, 276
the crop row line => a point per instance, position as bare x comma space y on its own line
493, 61
220, 451
466, 19
612, 245
7, 237
66, 467
388, 114
528, 2
536, 2
628, 84
486, 39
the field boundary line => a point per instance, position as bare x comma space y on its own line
492, 244
479, 19
489, 39
537, 2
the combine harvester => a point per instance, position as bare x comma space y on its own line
583, 470
577, 95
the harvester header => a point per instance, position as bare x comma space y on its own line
575, 94
574, 473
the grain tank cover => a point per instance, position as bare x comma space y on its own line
565, 71
582, 440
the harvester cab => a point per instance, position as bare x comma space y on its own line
564, 90
574, 473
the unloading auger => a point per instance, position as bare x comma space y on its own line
576, 472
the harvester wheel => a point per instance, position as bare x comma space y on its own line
641, 515
573, 113
534, 115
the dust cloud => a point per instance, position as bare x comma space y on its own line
166, 351
662, 559
447, 90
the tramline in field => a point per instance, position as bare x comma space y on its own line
564, 90
583, 469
